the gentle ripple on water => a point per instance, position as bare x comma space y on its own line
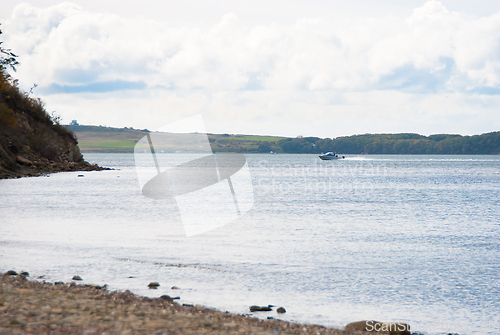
410, 238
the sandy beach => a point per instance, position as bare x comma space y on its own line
33, 307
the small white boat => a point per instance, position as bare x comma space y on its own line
330, 156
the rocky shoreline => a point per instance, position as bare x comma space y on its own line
42, 166
33, 307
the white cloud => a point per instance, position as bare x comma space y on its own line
313, 68
478, 51
65, 44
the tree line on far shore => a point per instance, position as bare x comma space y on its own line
486, 144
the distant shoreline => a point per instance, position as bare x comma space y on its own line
93, 139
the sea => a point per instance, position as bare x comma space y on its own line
402, 238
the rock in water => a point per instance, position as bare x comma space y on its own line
281, 310
77, 277
260, 309
153, 285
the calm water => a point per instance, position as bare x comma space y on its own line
391, 238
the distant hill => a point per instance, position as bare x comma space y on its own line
106, 139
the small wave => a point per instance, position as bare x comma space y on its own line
173, 265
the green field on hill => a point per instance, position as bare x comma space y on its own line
123, 140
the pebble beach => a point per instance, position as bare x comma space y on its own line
36, 307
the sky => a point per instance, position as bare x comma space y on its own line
275, 67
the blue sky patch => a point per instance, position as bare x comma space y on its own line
486, 90
408, 78
99, 87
